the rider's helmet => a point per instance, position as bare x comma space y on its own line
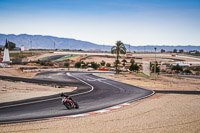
62, 94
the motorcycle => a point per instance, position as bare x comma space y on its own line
70, 103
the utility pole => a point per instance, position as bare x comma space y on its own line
31, 44
54, 46
31, 47
155, 64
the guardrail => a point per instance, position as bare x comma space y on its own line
55, 69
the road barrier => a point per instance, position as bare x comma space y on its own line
55, 69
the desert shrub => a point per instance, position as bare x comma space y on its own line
94, 65
42, 63
177, 68
157, 67
80, 64
108, 65
187, 71
134, 67
66, 64
103, 63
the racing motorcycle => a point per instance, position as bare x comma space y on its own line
69, 103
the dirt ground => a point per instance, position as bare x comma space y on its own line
161, 82
16, 72
141, 58
158, 113
12, 91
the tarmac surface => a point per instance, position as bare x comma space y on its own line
93, 93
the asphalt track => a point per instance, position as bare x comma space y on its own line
93, 93
55, 57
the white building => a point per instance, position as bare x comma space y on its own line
6, 57
22, 48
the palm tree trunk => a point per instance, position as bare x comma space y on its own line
117, 72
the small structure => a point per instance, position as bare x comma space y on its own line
146, 68
163, 67
0, 57
22, 48
6, 57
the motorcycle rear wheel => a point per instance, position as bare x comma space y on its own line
67, 105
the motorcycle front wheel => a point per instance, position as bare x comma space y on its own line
76, 105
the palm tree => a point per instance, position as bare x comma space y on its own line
124, 62
118, 49
132, 61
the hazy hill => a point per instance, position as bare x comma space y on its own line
47, 42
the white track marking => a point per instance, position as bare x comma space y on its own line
100, 80
29, 102
102, 111
86, 114
78, 115
92, 88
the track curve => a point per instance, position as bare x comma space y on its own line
93, 93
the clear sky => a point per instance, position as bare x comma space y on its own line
135, 22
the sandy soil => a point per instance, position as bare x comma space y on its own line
16, 72
161, 83
12, 91
150, 58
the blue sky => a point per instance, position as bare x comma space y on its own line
135, 22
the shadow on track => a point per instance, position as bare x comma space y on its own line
177, 92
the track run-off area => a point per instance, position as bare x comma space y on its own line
93, 93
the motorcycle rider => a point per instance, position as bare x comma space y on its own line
66, 96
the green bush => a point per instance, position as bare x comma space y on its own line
103, 63
66, 64
134, 67
43, 63
38, 61
157, 67
94, 65
108, 65
79, 64
177, 68
187, 71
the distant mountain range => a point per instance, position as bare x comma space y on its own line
47, 42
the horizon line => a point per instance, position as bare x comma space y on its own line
93, 42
